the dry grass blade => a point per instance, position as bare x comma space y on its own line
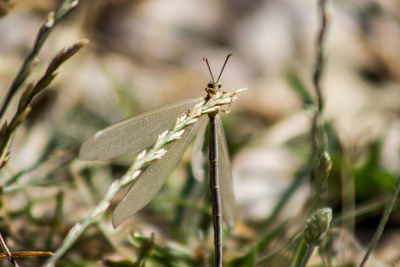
26, 254
7, 129
50, 74
23, 73
26, 98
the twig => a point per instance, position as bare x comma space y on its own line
143, 159
26, 254
382, 223
320, 161
317, 142
7, 251
320, 60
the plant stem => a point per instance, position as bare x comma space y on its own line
317, 143
303, 255
215, 194
382, 223
300, 253
307, 255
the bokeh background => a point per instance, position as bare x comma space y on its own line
143, 54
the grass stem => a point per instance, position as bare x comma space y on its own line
382, 223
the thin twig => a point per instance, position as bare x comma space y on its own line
317, 142
143, 159
27, 254
7, 251
382, 223
320, 62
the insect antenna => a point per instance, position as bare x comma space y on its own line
209, 69
223, 67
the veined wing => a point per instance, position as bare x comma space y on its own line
198, 157
224, 170
152, 179
228, 202
134, 134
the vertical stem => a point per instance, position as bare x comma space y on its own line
317, 143
300, 254
308, 253
215, 194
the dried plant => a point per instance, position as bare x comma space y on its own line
8, 129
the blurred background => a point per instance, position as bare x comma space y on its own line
143, 54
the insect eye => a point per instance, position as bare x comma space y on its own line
219, 85
210, 85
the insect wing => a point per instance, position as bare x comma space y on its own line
198, 157
228, 202
134, 134
152, 179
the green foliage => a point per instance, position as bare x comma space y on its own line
371, 177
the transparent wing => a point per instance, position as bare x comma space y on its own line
225, 178
198, 157
134, 134
151, 181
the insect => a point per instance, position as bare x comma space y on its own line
139, 132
